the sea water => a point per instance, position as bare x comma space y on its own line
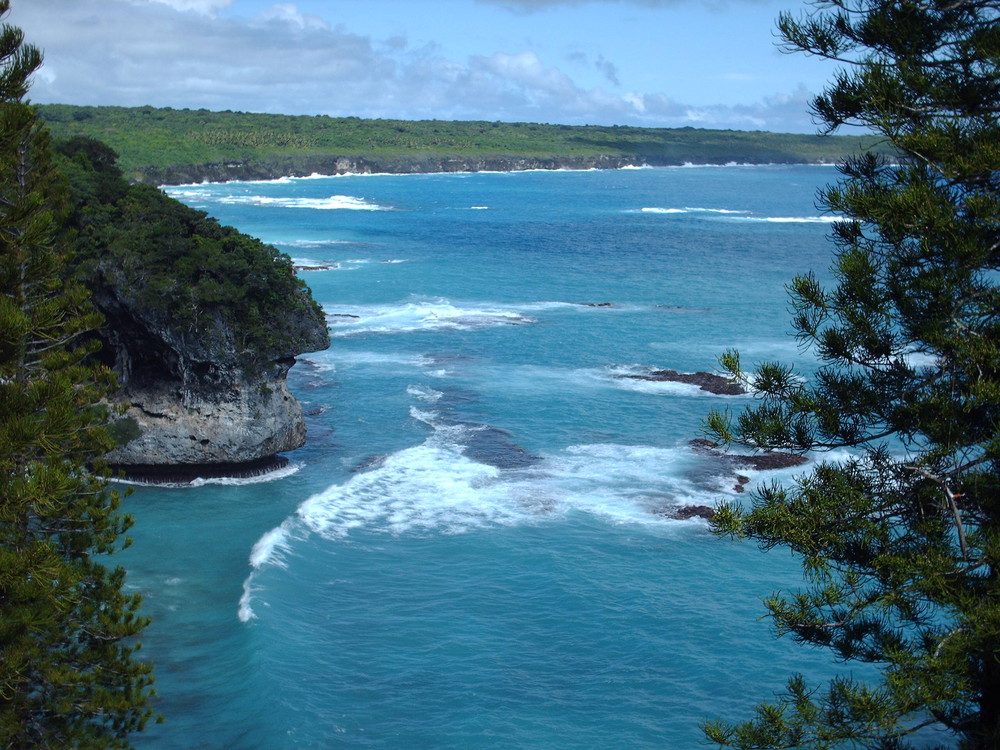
474, 549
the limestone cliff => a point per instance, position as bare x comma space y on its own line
194, 401
202, 324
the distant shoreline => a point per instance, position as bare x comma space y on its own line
223, 173
164, 146
627, 167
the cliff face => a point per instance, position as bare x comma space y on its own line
193, 399
303, 166
202, 324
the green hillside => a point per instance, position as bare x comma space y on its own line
154, 142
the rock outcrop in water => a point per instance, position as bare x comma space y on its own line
767, 461
706, 381
194, 400
202, 324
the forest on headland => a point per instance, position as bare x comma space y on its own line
169, 146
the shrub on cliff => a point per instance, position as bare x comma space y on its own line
233, 294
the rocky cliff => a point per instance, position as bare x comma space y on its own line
202, 324
195, 404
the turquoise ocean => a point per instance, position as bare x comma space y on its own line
473, 550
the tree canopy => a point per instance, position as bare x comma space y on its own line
68, 674
181, 266
899, 545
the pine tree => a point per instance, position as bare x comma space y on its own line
900, 546
68, 676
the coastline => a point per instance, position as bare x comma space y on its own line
340, 166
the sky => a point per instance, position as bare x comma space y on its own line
654, 63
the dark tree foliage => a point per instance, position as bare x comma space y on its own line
900, 546
180, 264
68, 677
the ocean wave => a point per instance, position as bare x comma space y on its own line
311, 264
426, 315
441, 487
343, 358
424, 393
738, 215
333, 202
268, 476
347, 264
313, 243
693, 210
794, 219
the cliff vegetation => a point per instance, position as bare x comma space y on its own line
170, 146
201, 322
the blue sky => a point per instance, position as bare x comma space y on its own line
657, 63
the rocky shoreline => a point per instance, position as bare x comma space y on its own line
186, 474
277, 167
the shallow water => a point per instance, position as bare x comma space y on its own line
473, 550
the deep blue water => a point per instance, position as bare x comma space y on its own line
472, 550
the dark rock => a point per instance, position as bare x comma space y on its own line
197, 398
770, 460
369, 462
706, 381
496, 447
684, 512
185, 474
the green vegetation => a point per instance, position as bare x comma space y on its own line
150, 140
68, 676
182, 268
900, 546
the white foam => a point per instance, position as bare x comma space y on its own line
695, 210
424, 393
311, 264
419, 316
794, 219
430, 487
333, 202
434, 488
245, 611
270, 549
311, 243
271, 476
333, 359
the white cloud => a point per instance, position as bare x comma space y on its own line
529, 6
164, 53
206, 7
289, 13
